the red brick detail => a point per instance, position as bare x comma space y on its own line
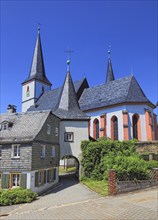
112, 190
125, 125
103, 125
149, 126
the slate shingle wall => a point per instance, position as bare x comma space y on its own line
8, 164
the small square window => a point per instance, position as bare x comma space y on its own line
53, 151
15, 151
42, 153
48, 129
69, 136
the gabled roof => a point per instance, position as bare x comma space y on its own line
124, 90
37, 70
49, 99
68, 107
25, 126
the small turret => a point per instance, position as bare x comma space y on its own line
109, 74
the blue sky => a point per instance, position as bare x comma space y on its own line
87, 27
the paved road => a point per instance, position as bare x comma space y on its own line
73, 201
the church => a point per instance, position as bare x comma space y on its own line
53, 122
118, 109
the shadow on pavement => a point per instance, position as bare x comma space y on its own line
65, 180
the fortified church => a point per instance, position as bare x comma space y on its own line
53, 122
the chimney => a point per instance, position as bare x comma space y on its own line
11, 108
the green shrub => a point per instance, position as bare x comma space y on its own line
152, 164
16, 196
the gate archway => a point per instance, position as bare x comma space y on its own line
69, 164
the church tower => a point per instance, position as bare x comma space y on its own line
109, 73
36, 83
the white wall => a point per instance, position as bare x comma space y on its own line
80, 130
117, 111
35, 90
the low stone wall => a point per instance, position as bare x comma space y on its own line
128, 186
147, 146
116, 186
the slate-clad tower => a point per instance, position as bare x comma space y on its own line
109, 74
37, 82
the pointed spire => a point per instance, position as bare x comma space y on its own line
68, 99
109, 74
37, 70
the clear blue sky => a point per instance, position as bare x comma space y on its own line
87, 27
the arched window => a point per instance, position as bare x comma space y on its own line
96, 128
114, 128
135, 126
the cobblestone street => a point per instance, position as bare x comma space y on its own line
72, 200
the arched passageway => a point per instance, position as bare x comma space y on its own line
69, 165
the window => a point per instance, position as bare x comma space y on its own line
40, 177
5, 125
135, 126
52, 151
15, 151
114, 128
27, 91
96, 128
15, 179
42, 153
48, 129
50, 175
0, 151
69, 136
0, 179
56, 131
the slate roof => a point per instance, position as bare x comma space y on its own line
124, 90
37, 70
68, 107
25, 126
50, 99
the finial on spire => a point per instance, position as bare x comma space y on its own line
68, 60
39, 27
109, 52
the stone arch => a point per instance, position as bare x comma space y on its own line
96, 128
114, 128
76, 163
136, 128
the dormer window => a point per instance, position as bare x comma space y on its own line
5, 125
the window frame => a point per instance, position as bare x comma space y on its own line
42, 151
13, 151
66, 139
48, 129
11, 180
53, 152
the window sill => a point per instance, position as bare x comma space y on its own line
15, 158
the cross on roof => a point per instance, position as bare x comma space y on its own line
69, 51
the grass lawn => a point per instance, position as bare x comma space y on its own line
68, 170
100, 187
